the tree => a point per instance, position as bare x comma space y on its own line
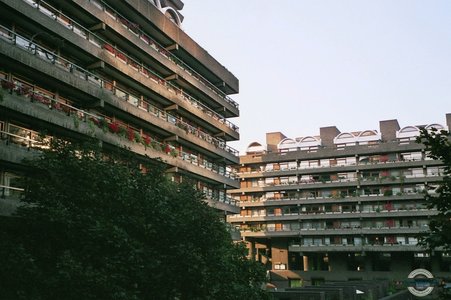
92, 226
438, 146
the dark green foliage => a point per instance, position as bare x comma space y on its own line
439, 146
97, 228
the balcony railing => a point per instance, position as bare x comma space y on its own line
9, 191
54, 14
227, 200
328, 231
47, 55
103, 122
332, 166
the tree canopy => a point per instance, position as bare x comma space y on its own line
438, 146
97, 227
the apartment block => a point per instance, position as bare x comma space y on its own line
123, 72
339, 205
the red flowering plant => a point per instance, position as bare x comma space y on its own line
114, 127
146, 140
40, 98
167, 149
56, 105
130, 134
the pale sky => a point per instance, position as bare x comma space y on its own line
304, 64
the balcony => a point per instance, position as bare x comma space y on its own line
303, 216
131, 64
356, 248
264, 202
339, 168
324, 153
103, 84
9, 199
327, 232
117, 22
62, 114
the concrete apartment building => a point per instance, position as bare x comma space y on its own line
340, 205
124, 72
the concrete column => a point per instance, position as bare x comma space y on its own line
448, 121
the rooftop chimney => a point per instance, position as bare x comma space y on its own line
273, 139
388, 129
328, 134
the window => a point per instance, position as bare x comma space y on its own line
411, 156
269, 181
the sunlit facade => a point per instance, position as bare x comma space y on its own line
339, 205
123, 72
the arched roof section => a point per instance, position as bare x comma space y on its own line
345, 137
309, 141
407, 132
368, 135
287, 143
172, 15
255, 147
156, 3
436, 126
409, 129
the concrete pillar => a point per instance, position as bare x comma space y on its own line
448, 121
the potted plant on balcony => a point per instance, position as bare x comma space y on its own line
23, 90
138, 137
130, 134
8, 84
114, 127
174, 153
146, 140
37, 97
